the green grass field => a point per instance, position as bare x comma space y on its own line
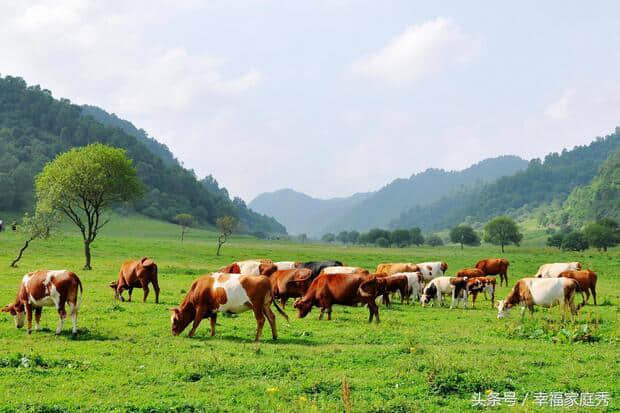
416, 359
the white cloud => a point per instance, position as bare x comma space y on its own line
419, 51
560, 109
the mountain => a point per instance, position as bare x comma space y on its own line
303, 214
35, 127
543, 182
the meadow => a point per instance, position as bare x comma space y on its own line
417, 359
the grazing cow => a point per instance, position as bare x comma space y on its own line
554, 270
136, 274
394, 267
288, 265
545, 292
463, 286
432, 270
317, 266
392, 284
470, 272
287, 284
415, 284
344, 270
344, 289
46, 288
228, 293
586, 281
495, 266
250, 267
436, 289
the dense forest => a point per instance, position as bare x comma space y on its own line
35, 127
547, 181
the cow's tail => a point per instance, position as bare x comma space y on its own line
81, 292
275, 303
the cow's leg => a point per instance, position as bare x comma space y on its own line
593, 289
373, 309
260, 321
119, 293
200, 312
145, 287
37, 318
473, 299
156, 288
130, 291
62, 314
322, 311
522, 312
213, 322
329, 313
271, 317
283, 301
28, 309
74, 310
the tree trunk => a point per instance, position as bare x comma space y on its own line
87, 255
21, 252
219, 245
502, 247
461, 245
182, 234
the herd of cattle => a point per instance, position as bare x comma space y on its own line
256, 284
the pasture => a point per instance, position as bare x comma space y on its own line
416, 359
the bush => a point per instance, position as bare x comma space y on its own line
575, 241
434, 240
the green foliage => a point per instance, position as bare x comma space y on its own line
416, 236
185, 221
382, 242
354, 237
555, 240
575, 241
226, 226
401, 237
343, 236
502, 231
464, 235
434, 240
35, 128
329, 237
602, 236
36, 227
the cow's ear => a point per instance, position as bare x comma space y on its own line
174, 310
6, 309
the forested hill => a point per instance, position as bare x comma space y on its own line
35, 127
542, 182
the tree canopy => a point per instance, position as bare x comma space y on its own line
464, 235
502, 231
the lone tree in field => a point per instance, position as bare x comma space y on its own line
226, 225
502, 231
185, 221
329, 237
603, 234
464, 235
82, 183
33, 227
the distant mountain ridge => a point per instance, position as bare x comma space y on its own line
303, 214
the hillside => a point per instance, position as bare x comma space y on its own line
35, 127
303, 214
542, 182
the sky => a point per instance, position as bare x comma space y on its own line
329, 97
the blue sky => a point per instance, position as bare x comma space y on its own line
329, 97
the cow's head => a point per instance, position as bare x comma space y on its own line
303, 307
503, 308
179, 320
267, 269
578, 266
231, 269
429, 293
114, 285
18, 313
444, 266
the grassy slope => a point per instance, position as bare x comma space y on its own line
126, 358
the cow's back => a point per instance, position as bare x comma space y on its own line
546, 291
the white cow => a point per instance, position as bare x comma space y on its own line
287, 265
432, 270
554, 270
415, 285
436, 289
545, 292
343, 270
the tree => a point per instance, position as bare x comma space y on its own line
555, 240
185, 221
416, 236
382, 242
226, 225
354, 236
329, 237
575, 241
602, 234
464, 235
434, 240
82, 183
502, 231
37, 226
401, 237
303, 238
343, 236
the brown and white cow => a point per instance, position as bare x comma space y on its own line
391, 268
136, 274
292, 283
344, 289
288, 265
586, 280
251, 267
46, 288
344, 270
495, 266
431, 270
228, 293
553, 270
470, 272
545, 292
392, 284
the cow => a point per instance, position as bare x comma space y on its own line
395, 267
554, 270
250, 267
292, 283
288, 265
470, 272
344, 270
415, 284
344, 289
495, 266
432, 270
436, 289
317, 266
393, 284
463, 286
228, 293
586, 281
545, 292
136, 274
47, 288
